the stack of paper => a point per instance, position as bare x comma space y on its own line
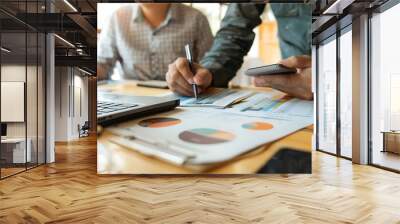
215, 98
271, 104
218, 126
187, 136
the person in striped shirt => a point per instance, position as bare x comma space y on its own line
144, 38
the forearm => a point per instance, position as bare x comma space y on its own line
232, 42
204, 38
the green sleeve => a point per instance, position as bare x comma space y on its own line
232, 42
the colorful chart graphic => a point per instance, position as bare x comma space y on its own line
159, 122
258, 126
206, 136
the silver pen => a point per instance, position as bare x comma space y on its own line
190, 60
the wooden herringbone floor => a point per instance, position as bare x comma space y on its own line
69, 191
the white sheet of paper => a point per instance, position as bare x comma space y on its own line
271, 104
211, 137
268, 105
216, 98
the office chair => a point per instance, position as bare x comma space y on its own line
84, 130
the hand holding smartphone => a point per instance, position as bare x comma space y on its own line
274, 69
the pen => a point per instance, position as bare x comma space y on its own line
190, 59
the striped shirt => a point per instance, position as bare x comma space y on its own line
144, 53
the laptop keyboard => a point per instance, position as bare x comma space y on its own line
105, 107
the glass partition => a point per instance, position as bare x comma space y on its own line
327, 96
346, 93
14, 153
41, 97
22, 77
31, 98
385, 89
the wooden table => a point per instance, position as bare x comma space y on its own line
115, 159
391, 141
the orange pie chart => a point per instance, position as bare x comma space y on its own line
159, 122
258, 126
205, 136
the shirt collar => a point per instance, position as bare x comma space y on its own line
172, 14
137, 14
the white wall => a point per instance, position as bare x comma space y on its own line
33, 127
71, 94
61, 104
16, 73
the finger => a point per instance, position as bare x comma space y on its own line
176, 82
270, 81
261, 82
184, 84
168, 74
177, 77
171, 73
182, 65
202, 78
301, 61
176, 87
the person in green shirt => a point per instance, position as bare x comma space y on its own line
234, 40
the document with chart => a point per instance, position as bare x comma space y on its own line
215, 98
192, 137
273, 105
268, 104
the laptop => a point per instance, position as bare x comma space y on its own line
113, 108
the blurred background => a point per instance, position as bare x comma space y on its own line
265, 49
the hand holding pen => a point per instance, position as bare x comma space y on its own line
184, 75
189, 57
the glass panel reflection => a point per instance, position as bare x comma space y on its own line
327, 97
385, 85
15, 148
346, 94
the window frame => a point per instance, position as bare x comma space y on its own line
339, 28
42, 117
333, 37
378, 10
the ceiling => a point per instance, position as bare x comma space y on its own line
329, 16
74, 21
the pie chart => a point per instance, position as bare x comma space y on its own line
205, 136
258, 126
159, 122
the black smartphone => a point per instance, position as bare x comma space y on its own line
273, 69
